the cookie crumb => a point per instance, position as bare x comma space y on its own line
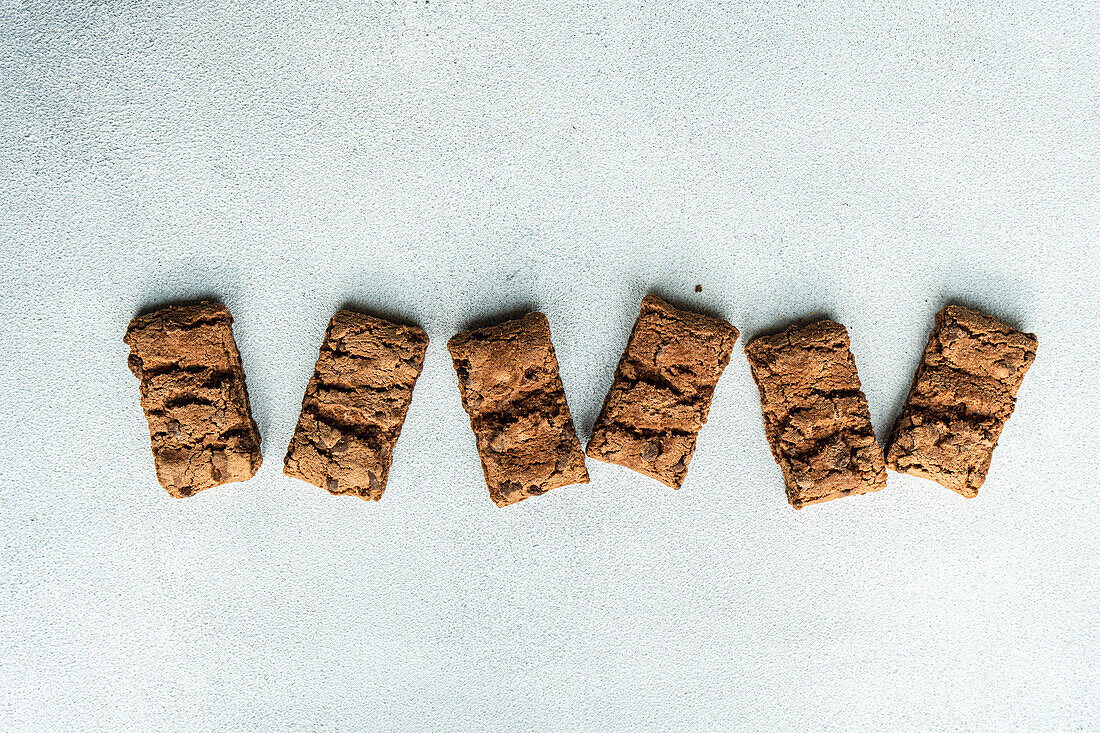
698, 288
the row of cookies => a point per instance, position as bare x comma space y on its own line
815, 413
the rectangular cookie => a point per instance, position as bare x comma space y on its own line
194, 397
815, 415
662, 391
355, 405
962, 395
510, 387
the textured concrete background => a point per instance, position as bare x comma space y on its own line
447, 163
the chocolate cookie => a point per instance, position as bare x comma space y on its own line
815, 415
355, 405
661, 394
510, 387
963, 393
194, 397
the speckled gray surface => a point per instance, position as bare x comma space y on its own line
447, 163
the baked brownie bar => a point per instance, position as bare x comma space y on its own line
355, 405
962, 395
508, 379
815, 416
193, 394
662, 390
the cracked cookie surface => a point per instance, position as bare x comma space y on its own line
662, 390
962, 395
510, 387
194, 397
815, 415
355, 405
